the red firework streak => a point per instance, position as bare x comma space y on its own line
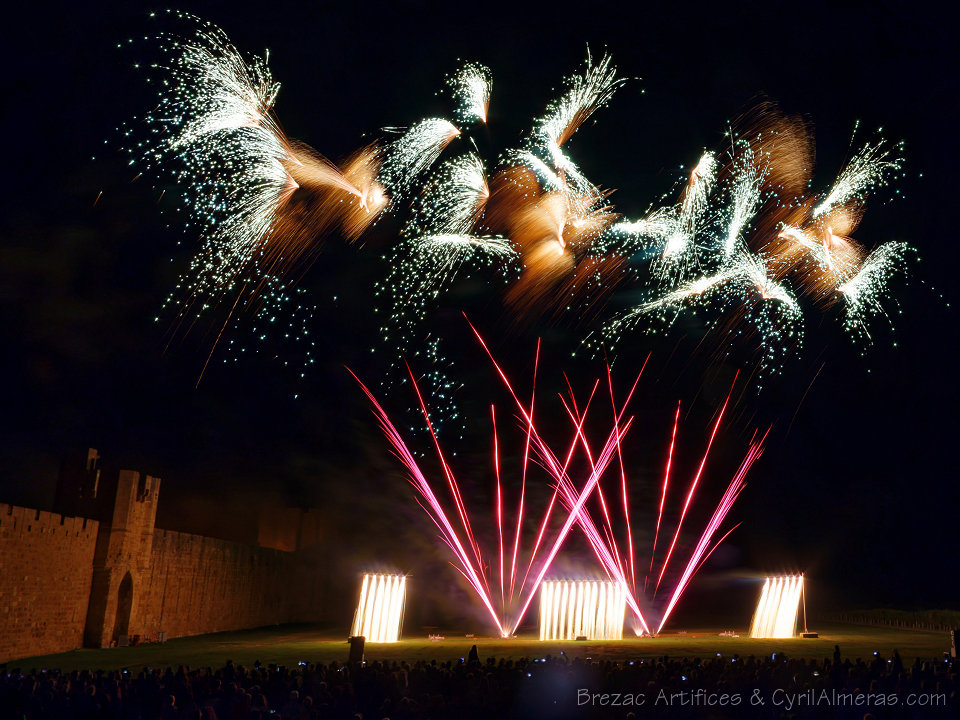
468, 557
517, 590
615, 562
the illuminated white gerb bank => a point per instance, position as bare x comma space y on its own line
776, 615
593, 610
380, 610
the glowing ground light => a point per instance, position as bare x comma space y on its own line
380, 610
776, 614
572, 609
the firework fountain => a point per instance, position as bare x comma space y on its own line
506, 585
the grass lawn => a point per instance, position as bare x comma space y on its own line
290, 644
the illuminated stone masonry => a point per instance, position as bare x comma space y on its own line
99, 573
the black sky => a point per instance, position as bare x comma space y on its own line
859, 484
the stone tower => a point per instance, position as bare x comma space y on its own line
121, 559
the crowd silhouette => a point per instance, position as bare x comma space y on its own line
554, 686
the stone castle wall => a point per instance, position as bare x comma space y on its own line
197, 584
46, 569
68, 582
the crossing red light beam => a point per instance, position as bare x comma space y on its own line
620, 566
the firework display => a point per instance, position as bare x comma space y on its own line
749, 247
502, 584
258, 198
748, 239
581, 609
777, 609
622, 566
379, 612
747, 244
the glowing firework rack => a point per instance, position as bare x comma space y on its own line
776, 614
570, 610
380, 610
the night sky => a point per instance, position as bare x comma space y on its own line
858, 485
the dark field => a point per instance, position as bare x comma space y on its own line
292, 644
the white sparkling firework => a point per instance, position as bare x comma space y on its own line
440, 256
677, 228
669, 234
585, 94
285, 318
421, 270
453, 199
214, 130
832, 269
674, 299
412, 154
753, 269
440, 232
697, 194
439, 242
214, 126
471, 87
570, 174
865, 292
817, 249
214, 123
742, 289
658, 225
868, 169
216, 89
546, 176
422, 267
633, 236
744, 197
